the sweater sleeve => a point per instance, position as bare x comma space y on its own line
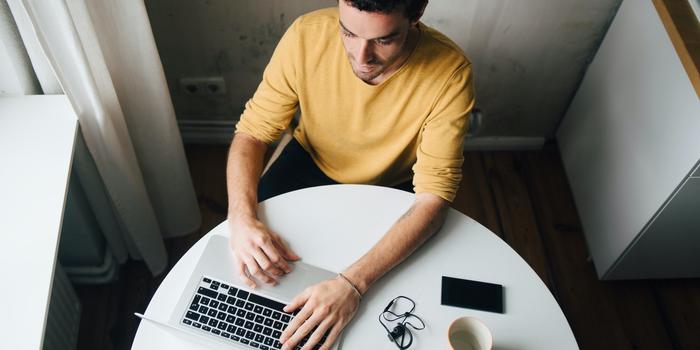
438, 167
268, 113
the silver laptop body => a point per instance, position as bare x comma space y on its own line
217, 305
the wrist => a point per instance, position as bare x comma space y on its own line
350, 284
357, 281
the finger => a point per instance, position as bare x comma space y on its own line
288, 253
332, 336
304, 329
255, 270
243, 272
272, 252
318, 334
298, 301
295, 323
265, 266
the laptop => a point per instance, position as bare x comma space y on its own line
217, 306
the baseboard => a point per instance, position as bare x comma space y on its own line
207, 132
221, 132
506, 143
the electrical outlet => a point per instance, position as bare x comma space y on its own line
203, 86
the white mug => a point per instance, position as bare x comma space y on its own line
468, 333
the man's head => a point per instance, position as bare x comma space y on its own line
374, 33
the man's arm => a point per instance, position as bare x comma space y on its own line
330, 305
258, 251
410, 231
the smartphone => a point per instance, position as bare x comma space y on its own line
472, 294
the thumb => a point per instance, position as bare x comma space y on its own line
297, 302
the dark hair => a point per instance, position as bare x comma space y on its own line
411, 8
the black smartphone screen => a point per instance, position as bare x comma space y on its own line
472, 294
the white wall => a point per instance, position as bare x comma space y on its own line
528, 55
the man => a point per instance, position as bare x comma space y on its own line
384, 99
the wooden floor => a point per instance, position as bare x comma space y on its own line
523, 197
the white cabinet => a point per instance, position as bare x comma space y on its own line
630, 143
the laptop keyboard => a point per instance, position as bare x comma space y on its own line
239, 316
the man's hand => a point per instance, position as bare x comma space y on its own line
259, 252
327, 307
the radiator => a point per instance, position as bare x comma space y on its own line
63, 320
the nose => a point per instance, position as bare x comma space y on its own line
364, 53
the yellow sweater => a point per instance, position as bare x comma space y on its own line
360, 133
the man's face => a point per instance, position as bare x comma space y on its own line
373, 41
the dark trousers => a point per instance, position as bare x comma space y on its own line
294, 170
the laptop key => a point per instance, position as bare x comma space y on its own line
232, 291
276, 334
235, 337
266, 302
286, 318
194, 307
240, 313
277, 325
206, 280
231, 328
192, 315
203, 309
226, 335
276, 315
230, 318
269, 341
248, 325
245, 341
240, 331
267, 331
223, 307
208, 292
239, 322
232, 310
216, 331
204, 301
222, 297
254, 344
187, 322
250, 335
213, 322
259, 338
221, 326
249, 306
231, 300
206, 328
259, 318
212, 312
264, 347
242, 294
197, 325
240, 302
267, 312
258, 309
204, 319
268, 322
213, 304
221, 315
250, 316
258, 328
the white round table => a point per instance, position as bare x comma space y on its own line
332, 226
